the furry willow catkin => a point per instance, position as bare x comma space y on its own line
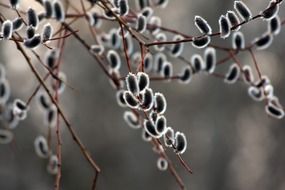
141, 23
233, 20
233, 74
202, 25
186, 75
58, 11
180, 143
17, 24
201, 42
20, 109
210, 60
33, 42
197, 63
274, 25
7, 29
47, 32
160, 103
238, 41
263, 41
224, 25
33, 19
6, 136
243, 10
14, 3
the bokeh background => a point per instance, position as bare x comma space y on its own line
233, 144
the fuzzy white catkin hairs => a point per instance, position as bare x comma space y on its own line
94, 19
114, 60
51, 58
48, 9
141, 23
238, 41
115, 38
167, 70
148, 61
17, 24
264, 41
255, 93
197, 63
153, 116
161, 37
147, 12
41, 147
47, 32
97, 49
274, 25
160, 103
210, 60
202, 25
149, 127
161, 125
201, 42
33, 42
159, 60
20, 109
143, 81
268, 91
6, 136
52, 166
124, 7
145, 136
33, 19
186, 75
177, 48
147, 99
59, 85
11, 119
247, 74
234, 20
225, 27
58, 9
168, 137
274, 110
50, 116
162, 164
132, 84
131, 100
7, 29
233, 74
120, 98
155, 21
243, 11
180, 143
43, 100
30, 32
131, 119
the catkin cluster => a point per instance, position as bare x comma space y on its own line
139, 43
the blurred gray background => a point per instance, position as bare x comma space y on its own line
233, 144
